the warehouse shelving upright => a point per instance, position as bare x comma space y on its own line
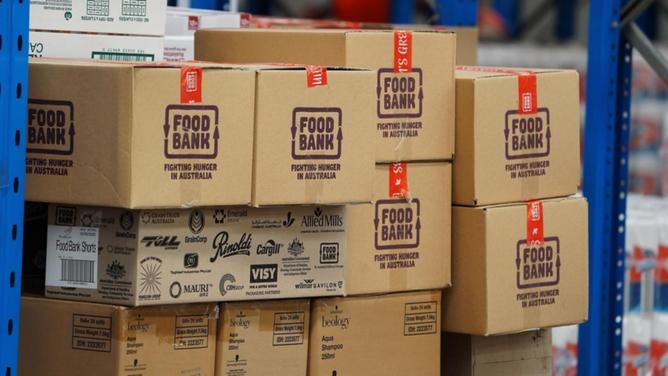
13, 91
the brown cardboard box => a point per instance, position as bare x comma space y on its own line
507, 153
312, 144
500, 285
83, 339
118, 137
414, 111
401, 244
396, 334
467, 37
263, 338
152, 257
522, 354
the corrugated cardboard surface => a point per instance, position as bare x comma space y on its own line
263, 338
82, 339
402, 244
488, 168
299, 162
396, 334
522, 354
499, 287
153, 257
423, 129
118, 133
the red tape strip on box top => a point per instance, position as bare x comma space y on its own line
403, 51
535, 222
191, 85
399, 180
315, 75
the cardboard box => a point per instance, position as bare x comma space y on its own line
263, 338
467, 37
152, 257
179, 47
523, 354
414, 111
396, 334
138, 17
82, 339
118, 137
185, 21
501, 285
96, 46
401, 244
312, 143
508, 153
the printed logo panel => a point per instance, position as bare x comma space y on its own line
397, 224
50, 127
527, 135
316, 133
191, 131
399, 95
538, 265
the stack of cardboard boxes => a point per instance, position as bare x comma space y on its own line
400, 242
176, 186
118, 30
520, 252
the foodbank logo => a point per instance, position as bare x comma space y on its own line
317, 133
397, 224
50, 127
191, 132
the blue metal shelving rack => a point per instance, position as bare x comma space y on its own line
13, 109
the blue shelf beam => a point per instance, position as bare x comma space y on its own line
13, 110
402, 11
605, 186
460, 13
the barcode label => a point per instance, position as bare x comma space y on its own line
121, 56
72, 256
77, 271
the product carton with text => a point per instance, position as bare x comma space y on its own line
60, 337
139, 135
155, 257
517, 136
394, 334
312, 136
401, 241
412, 93
263, 338
518, 267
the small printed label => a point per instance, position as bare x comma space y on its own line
193, 23
403, 51
288, 328
91, 333
527, 95
191, 84
72, 256
315, 76
535, 222
191, 332
420, 318
398, 180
